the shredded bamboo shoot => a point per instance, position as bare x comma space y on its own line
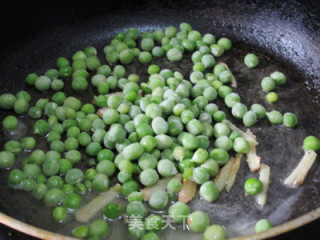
234, 171
86, 212
297, 176
187, 192
265, 179
222, 178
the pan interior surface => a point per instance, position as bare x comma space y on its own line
281, 45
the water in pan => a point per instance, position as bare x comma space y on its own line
279, 147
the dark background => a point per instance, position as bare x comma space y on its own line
20, 21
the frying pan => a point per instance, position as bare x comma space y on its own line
285, 35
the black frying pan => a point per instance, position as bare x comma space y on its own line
285, 34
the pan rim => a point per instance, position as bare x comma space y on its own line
275, 231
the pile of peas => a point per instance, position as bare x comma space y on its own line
268, 84
149, 131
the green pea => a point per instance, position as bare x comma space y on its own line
231, 99
57, 85
223, 91
112, 211
198, 221
62, 62
72, 201
31, 170
251, 60
212, 167
225, 76
226, 44
23, 94
216, 84
148, 143
166, 168
200, 175
105, 154
268, 84
43, 83
99, 229
185, 27
136, 209
272, 97
240, 145
249, 118
215, 232
239, 110
60, 213
35, 112
50, 167
106, 167
278, 77
15, 177
149, 177
174, 185
20, 106
7, 159
10, 123
223, 142
79, 84
28, 143
39, 190
194, 127
41, 127
275, 117
81, 232
290, 120
144, 57
209, 191
55, 182
221, 129
100, 182
210, 94
13, 146
262, 225
135, 196
216, 50
31, 79
200, 156
219, 116
81, 188
130, 96
84, 139
124, 177
37, 157
311, 143
129, 187
158, 200
74, 176
7, 101
253, 186
219, 155
259, 110
133, 151
53, 197
178, 212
